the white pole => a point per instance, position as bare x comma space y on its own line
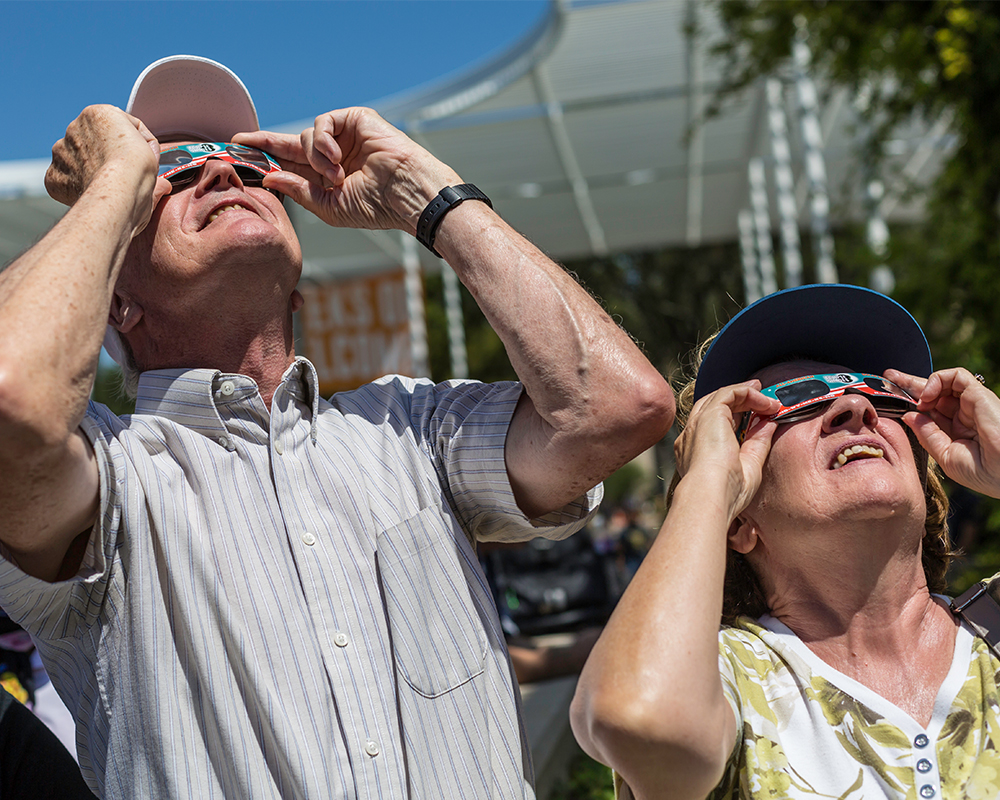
819, 205
456, 326
785, 184
696, 147
748, 255
762, 226
415, 306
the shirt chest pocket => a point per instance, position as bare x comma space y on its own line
433, 602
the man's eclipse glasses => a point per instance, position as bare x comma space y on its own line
809, 395
180, 165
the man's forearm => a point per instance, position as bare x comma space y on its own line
595, 401
54, 304
53, 312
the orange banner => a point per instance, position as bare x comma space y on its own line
356, 329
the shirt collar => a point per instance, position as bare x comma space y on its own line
191, 397
302, 382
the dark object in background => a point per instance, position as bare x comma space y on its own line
33, 762
546, 586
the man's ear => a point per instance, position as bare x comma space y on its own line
125, 312
742, 535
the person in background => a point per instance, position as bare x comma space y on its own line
33, 762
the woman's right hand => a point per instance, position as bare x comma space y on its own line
709, 441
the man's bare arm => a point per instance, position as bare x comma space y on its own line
592, 400
54, 303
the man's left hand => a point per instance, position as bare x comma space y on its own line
353, 169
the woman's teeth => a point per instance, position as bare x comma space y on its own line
859, 449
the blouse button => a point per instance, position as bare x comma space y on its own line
923, 765
921, 740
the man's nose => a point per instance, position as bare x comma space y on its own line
218, 174
852, 411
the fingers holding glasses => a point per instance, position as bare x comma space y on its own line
958, 422
354, 169
708, 441
102, 134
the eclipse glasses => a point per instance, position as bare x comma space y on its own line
809, 395
180, 165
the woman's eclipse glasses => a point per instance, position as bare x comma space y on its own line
180, 165
809, 395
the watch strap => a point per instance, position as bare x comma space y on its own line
446, 200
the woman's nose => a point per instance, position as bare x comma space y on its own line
850, 410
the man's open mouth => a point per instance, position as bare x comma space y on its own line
223, 209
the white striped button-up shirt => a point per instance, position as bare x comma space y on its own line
287, 604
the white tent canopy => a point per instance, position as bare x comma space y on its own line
580, 135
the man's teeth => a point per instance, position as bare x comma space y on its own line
858, 449
219, 211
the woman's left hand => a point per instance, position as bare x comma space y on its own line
958, 422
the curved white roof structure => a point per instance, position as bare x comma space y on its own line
579, 133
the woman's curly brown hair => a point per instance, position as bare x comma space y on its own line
742, 592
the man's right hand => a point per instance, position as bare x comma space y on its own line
106, 140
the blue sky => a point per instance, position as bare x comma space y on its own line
297, 57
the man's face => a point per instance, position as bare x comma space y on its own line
845, 464
212, 238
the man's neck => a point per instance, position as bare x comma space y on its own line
260, 349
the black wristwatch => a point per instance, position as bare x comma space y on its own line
446, 200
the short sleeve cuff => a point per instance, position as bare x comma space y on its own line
478, 451
57, 610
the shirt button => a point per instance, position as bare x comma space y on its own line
340, 639
227, 388
279, 448
308, 538
371, 747
923, 765
926, 790
921, 740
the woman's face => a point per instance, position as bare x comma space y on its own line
843, 466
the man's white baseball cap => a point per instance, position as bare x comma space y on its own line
190, 97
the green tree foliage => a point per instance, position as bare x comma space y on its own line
108, 390
908, 62
587, 780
